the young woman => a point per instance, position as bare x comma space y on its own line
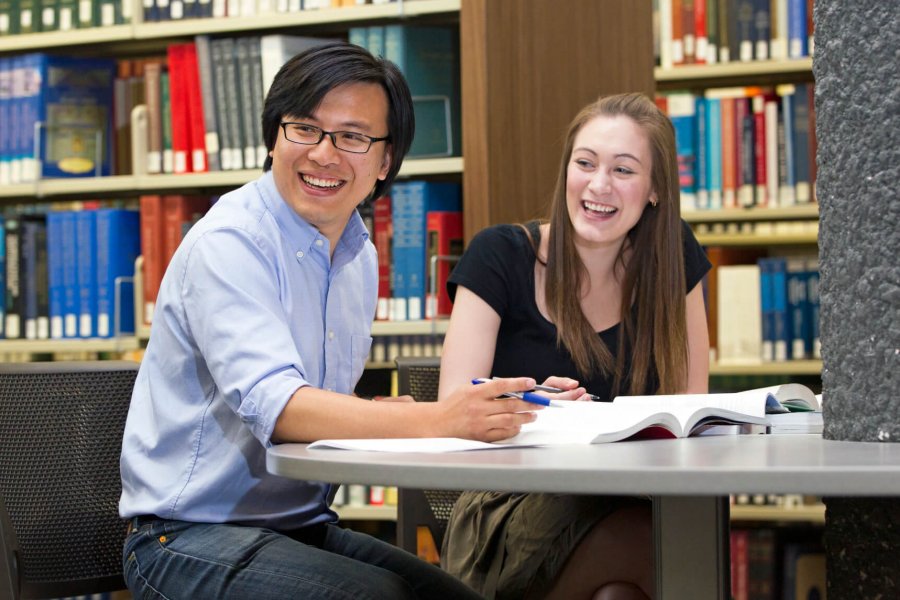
603, 298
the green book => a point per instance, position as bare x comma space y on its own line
29, 20
67, 19
9, 17
49, 11
166, 110
87, 16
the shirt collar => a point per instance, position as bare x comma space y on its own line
300, 231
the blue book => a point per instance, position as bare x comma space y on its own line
713, 143
798, 310
762, 24
375, 39
801, 141
33, 277
55, 273
787, 192
796, 26
814, 344
429, 58
6, 122
2, 276
118, 245
74, 107
766, 298
780, 330
682, 109
702, 157
86, 244
14, 309
71, 291
410, 203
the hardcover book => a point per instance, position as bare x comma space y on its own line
71, 98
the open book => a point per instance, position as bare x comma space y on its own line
626, 416
680, 415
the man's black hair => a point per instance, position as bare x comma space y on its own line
305, 79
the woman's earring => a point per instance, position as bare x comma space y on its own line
653, 202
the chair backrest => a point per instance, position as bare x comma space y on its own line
419, 377
61, 426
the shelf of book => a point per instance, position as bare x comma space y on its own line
139, 184
787, 367
808, 513
137, 31
732, 70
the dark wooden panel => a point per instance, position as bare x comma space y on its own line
528, 66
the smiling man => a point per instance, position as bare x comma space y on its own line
261, 332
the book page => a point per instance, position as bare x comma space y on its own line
590, 423
694, 409
420, 445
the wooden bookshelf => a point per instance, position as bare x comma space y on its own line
757, 239
366, 513
137, 31
733, 70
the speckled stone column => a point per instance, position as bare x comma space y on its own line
856, 65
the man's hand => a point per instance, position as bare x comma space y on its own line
477, 412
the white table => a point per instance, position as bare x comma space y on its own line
690, 480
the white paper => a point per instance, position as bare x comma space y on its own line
420, 445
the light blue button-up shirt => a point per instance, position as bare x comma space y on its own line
250, 310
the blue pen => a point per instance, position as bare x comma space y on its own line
526, 396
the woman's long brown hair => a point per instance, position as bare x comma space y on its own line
653, 286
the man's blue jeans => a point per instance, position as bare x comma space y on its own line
175, 559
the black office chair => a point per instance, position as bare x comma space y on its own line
61, 427
421, 510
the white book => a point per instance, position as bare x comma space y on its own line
573, 423
276, 49
739, 315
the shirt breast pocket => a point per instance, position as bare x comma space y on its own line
360, 346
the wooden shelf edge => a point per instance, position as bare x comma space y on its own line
128, 184
688, 73
814, 513
121, 344
801, 211
802, 514
366, 513
789, 367
757, 239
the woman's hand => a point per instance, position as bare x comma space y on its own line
570, 390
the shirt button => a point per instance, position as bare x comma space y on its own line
319, 243
330, 335
299, 253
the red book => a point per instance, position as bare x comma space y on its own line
151, 209
677, 32
740, 564
701, 37
759, 150
383, 234
179, 213
444, 240
196, 123
178, 107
